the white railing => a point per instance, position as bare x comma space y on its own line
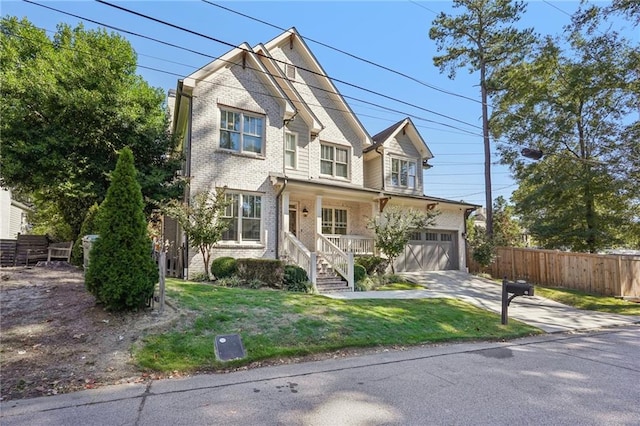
298, 254
356, 244
340, 261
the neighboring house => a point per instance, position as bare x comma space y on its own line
13, 216
304, 175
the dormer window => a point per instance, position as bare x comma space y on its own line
403, 173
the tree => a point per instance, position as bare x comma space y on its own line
69, 104
481, 40
201, 220
575, 106
506, 229
393, 228
122, 273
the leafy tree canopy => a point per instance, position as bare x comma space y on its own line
69, 104
576, 105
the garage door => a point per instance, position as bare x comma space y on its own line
429, 250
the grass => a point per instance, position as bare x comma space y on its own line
582, 300
276, 324
400, 286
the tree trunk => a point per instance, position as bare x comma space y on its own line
487, 149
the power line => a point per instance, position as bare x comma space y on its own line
351, 55
208, 82
259, 70
214, 39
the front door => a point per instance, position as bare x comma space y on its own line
293, 219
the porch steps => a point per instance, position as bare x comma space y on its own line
327, 280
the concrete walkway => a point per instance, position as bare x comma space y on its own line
550, 316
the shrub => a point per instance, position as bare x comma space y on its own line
359, 272
296, 279
122, 274
373, 264
269, 271
223, 267
232, 281
200, 277
366, 284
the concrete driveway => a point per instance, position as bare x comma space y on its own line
545, 314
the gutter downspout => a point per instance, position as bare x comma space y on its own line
278, 218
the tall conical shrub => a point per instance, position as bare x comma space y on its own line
121, 272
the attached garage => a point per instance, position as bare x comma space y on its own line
429, 250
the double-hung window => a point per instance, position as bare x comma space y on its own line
290, 150
244, 218
334, 161
241, 132
334, 221
403, 173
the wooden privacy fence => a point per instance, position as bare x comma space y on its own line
606, 275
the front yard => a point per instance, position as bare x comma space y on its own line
277, 324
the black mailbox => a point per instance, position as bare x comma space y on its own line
520, 289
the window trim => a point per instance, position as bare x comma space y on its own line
295, 150
409, 162
242, 114
240, 217
334, 160
333, 220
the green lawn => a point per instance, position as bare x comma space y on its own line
400, 286
275, 324
589, 302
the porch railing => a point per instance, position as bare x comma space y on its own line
340, 261
298, 254
356, 244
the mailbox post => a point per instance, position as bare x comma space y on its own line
518, 288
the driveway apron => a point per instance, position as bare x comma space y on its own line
548, 315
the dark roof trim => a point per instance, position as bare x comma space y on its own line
276, 177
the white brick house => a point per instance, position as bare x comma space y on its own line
267, 123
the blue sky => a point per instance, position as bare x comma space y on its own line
392, 34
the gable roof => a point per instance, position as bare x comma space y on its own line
409, 128
303, 109
292, 37
244, 53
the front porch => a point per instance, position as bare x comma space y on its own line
323, 234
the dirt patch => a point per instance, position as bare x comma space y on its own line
55, 339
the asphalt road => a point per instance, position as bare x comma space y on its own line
560, 379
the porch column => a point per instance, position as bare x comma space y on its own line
318, 221
284, 208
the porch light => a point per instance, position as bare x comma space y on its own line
305, 211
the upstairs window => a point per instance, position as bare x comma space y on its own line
334, 161
241, 132
403, 173
290, 150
